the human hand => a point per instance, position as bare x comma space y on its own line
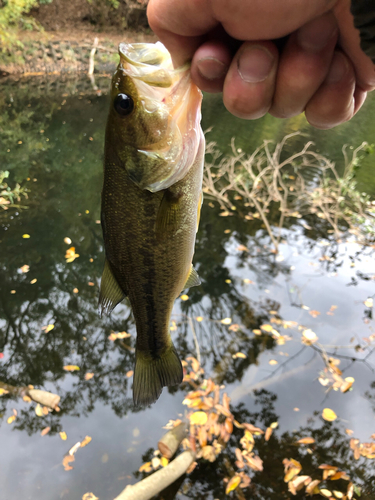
321, 69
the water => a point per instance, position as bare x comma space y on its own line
54, 134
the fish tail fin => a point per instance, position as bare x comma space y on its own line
152, 374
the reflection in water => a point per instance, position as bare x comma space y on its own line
55, 150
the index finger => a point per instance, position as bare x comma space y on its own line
182, 24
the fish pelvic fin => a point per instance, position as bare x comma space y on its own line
110, 292
151, 374
193, 279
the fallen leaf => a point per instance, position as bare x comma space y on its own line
298, 483
291, 469
75, 290
268, 433
257, 332
233, 483
26, 236
314, 313
3, 391
25, 268
145, 467
45, 431
329, 415
39, 410
239, 355
71, 255
255, 462
63, 435
184, 297
226, 321
199, 319
309, 337
129, 373
32, 282
71, 368
89, 496
198, 418
312, 488
88, 376
326, 493
272, 362
48, 328
74, 448
66, 461
67, 240
266, 328
164, 461
11, 419
208, 453
85, 441
306, 440
155, 462
369, 302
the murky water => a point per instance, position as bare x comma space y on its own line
52, 142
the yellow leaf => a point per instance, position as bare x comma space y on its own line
75, 290
247, 281
145, 467
226, 321
71, 254
184, 297
63, 435
129, 373
309, 337
239, 355
71, 368
198, 418
164, 461
326, 493
272, 362
257, 332
45, 431
369, 302
11, 419
199, 318
274, 425
67, 240
25, 236
338, 494
88, 376
85, 441
267, 328
89, 496
39, 410
233, 484
3, 391
32, 282
48, 328
329, 415
25, 268
306, 440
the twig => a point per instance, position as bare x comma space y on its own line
92, 64
171, 440
159, 480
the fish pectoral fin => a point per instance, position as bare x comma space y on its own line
151, 374
169, 214
110, 292
193, 279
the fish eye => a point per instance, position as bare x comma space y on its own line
123, 104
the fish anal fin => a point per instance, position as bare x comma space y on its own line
169, 214
151, 374
111, 293
193, 279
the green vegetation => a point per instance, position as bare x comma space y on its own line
9, 196
13, 16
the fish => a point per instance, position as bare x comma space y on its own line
151, 203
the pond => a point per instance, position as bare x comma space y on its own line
275, 331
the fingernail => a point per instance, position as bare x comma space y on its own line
255, 64
315, 35
211, 68
338, 68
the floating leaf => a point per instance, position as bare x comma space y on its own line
164, 461
85, 441
312, 487
32, 282
239, 355
266, 328
71, 255
226, 321
88, 376
145, 467
71, 368
369, 302
63, 435
291, 469
25, 268
314, 313
208, 453
45, 431
129, 373
67, 460
89, 496
199, 319
198, 418
268, 433
272, 362
233, 483
48, 328
184, 297
3, 391
309, 337
67, 240
26, 236
11, 419
329, 415
306, 440
324, 492
39, 410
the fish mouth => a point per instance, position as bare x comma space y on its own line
161, 87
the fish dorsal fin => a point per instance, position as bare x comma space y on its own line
169, 214
193, 279
110, 292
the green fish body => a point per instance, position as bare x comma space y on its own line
151, 199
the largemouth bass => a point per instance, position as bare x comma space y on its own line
151, 200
